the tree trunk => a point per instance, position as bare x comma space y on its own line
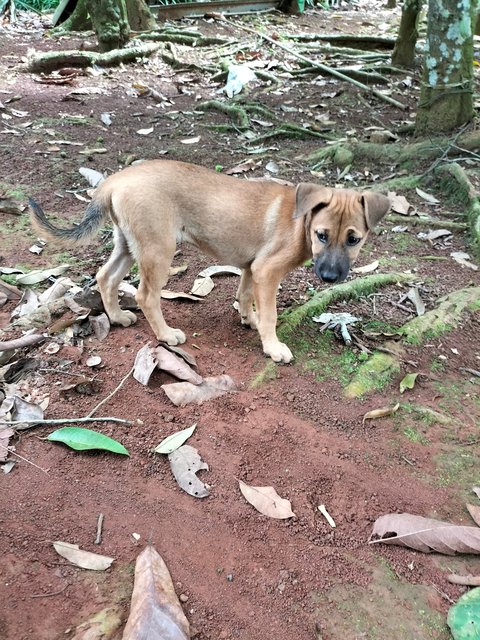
79, 20
404, 51
391, 4
140, 17
446, 95
477, 25
110, 23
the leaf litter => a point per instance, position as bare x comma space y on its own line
175, 440
185, 462
267, 501
82, 559
183, 393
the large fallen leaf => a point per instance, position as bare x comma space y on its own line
383, 412
185, 462
217, 270
100, 325
28, 304
202, 287
176, 366
408, 382
86, 439
414, 296
425, 534
93, 177
464, 617
368, 268
144, 365
39, 275
83, 559
182, 393
188, 357
464, 259
58, 289
426, 196
174, 441
155, 612
267, 501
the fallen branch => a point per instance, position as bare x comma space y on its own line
427, 222
323, 67
55, 421
52, 60
19, 343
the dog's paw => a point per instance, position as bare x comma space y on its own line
278, 352
250, 320
124, 318
173, 337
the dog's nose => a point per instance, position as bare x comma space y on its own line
328, 275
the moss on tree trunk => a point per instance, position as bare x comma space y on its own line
140, 17
446, 96
110, 23
78, 21
404, 51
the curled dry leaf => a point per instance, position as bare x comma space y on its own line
426, 196
144, 365
425, 534
28, 304
188, 357
58, 289
243, 167
202, 287
267, 501
178, 295
176, 366
100, 325
174, 441
383, 412
368, 268
182, 393
414, 296
217, 270
155, 611
93, 177
82, 559
185, 462
399, 204
5, 434
28, 411
39, 275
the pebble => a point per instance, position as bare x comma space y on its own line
230, 577
183, 597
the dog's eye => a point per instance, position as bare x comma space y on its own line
323, 237
352, 241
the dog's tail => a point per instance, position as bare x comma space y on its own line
95, 214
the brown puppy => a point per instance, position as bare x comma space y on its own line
262, 227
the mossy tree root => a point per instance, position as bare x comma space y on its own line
382, 365
234, 111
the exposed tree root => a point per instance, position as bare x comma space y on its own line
361, 42
290, 320
235, 111
180, 37
424, 221
382, 365
52, 60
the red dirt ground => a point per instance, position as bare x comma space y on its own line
242, 574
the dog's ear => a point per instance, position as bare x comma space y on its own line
376, 206
309, 197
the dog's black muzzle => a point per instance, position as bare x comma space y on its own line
332, 266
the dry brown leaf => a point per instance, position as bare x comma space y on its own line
368, 268
474, 511
83, 559
23, 410
399, 204
155, 611
414, 296
267, 501
216, 270
144, 365
178, 295
173, 364
248, 165
185, 462
383, 412
188, 357
101, 326
182, 393
425, 534
173, 271
202, 287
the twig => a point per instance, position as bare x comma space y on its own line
98, 539
117, 388
64, 421
442, 593
24, 341
49, 595
445, 153
322, 67
467, 581
22, 458
474, 372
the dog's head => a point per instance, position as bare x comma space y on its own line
338, 222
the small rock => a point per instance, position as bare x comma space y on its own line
183, 597
230, 577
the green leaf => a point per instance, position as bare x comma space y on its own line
84, 439
175, 441
464, 617
408, 382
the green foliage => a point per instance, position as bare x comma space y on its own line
464, 617
86, 439
38, 5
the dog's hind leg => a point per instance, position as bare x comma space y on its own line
154, 265
244, 298
110, 276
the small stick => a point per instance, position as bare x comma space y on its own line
64, 421
98, 539
22, 458
24, 341
326, 515
467, 581
49, 595
117, 388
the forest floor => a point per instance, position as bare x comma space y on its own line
240, 574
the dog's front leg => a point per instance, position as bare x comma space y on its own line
244, 298
266, 280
